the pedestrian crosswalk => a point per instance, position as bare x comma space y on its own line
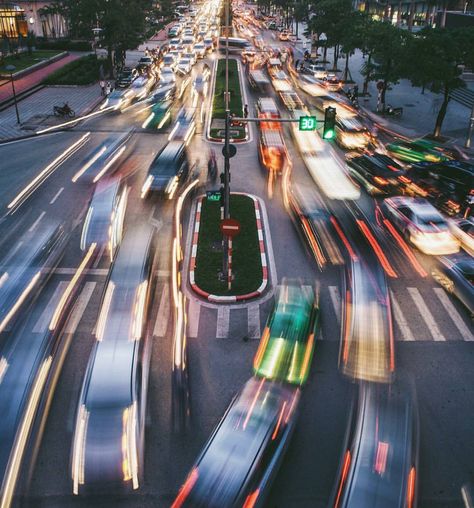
419, 314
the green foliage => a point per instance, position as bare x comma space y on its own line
82, 71
235, 103
63, 44
332, 17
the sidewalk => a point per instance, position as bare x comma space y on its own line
37, 110
35, 78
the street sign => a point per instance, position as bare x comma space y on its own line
307, 123
230, 227
213, 195
232, 151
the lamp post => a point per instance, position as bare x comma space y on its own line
10, 68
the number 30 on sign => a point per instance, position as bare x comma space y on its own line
307, 123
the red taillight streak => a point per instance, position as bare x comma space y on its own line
254, 401
251, 499
381, 181
261, 348
344, 239
401, 242
186, 489
345, 470
290, 411
411, 487
314, 244
277, 427
307, 355
381, 457
347, 322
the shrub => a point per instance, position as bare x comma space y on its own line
82, 71
63, 44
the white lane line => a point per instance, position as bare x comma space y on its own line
162, 318
101, 272
194, 314
80, 307
253, 313
56, 196
400, 319
426, 314
43, 321
223, 322
36, 222
335, 300
454, 314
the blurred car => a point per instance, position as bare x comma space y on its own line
379, 466
145, 64
456, 276
169, 60
167, 76
272, 150
332, 83
174, 44
450, 184
378, 173
104, 220
351, 134
188, 42
367, 344
208, 43
108, 443
118, 99
141, 87
192, 57
238, 463
174, 31
317, 70
168, 170
292, 101
421, 224
418, 150
201, 85
184, 66
287, 344
185, 125
267, 108
463, 230
125, 77
160, 111
200, 50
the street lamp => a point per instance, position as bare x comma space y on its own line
10, 68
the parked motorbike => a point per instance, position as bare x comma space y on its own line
64, 111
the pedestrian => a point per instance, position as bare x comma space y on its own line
246, 111
296, 64
102, 86
356, 90
108, 88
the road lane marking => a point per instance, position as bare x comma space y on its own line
335, 300
162, 317
400, 319
102, 272
454, 314
56, 196
223, 322
253, 313
194, 314
43, 321
36, 222
80, 307
426, 314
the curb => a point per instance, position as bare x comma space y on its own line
192, 261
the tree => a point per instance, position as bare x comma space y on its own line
389, 43
352, 38
368, 44
332, 17
442, 53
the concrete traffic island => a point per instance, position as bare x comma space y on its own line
248, 258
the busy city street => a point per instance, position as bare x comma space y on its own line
229, 277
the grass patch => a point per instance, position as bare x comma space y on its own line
235, 103
82, 71
24, 60
216, 133
246, 259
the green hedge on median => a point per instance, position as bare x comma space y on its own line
235, 105
82, 71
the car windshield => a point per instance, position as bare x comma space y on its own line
432, 220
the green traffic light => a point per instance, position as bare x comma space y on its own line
329, 134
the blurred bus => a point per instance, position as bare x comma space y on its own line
236, 45
272, 150
267, 108
107, 452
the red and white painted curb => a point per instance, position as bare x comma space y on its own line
192, 263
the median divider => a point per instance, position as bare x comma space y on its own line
252, 252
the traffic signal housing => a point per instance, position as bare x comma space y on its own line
329, 123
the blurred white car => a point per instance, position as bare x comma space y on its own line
422, 225
184, 66
118, 100
463, 230
200, 50
167, 76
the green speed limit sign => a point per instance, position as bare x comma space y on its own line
307, 123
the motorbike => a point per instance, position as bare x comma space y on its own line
63, 111
391, 111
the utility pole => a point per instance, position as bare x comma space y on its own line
225, 258
470, 129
